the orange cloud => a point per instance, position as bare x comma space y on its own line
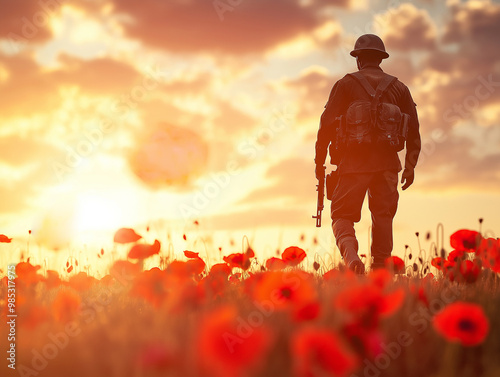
313, 87
27, 21
102, 76
408, 28
473, 21
26, 88
286, 183
30, 89
231, 27
452, 164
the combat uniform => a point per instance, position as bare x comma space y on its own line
366, 168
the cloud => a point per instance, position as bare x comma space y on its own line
402, 67
407, 28
18, 151
101, 76
292, 180
27, 21
312, 87
474, 20
169, 156
453, 165
28, 88
462, 81
230, 120
217, 26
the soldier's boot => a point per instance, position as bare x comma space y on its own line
347, 243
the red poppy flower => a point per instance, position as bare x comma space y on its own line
126, 235
183, 295
222, 269
331, 275
456, 255
107, 280
462, 322
307, 312
489, 252
152, 286
191, 254
366, 343
142, 251
344, 275
380, 277
395, 264
469, 271
285, 289
241, 260
5, 239
293, 255
52, 280
27, 273
188, 269
320, 352
216, 280
225, 350
391, 302
366, 304
274, 263
449, 269
81, 282
437, 262
124, 271
466, 240
66, 305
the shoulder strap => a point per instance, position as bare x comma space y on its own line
364, 83
386, 82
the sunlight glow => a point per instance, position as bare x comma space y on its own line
4, 74
96, 212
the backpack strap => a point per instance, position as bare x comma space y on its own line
364, 83
384, 85
381, 88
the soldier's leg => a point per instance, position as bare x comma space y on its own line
347, 202
383, 203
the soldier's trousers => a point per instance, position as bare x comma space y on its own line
347, 202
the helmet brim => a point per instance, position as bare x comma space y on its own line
383, 54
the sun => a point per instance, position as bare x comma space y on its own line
97, 212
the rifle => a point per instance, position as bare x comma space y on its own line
320, 188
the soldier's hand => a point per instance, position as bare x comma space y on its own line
407, 178
320, 171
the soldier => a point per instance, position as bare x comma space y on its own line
367, 119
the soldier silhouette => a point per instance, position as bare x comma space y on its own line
368, 118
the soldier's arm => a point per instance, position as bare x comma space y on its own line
413, 143
326, 129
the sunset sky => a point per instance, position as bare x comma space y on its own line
127, 113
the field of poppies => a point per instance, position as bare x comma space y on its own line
247, 317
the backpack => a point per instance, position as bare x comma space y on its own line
367, 122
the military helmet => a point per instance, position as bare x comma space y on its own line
369, 42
